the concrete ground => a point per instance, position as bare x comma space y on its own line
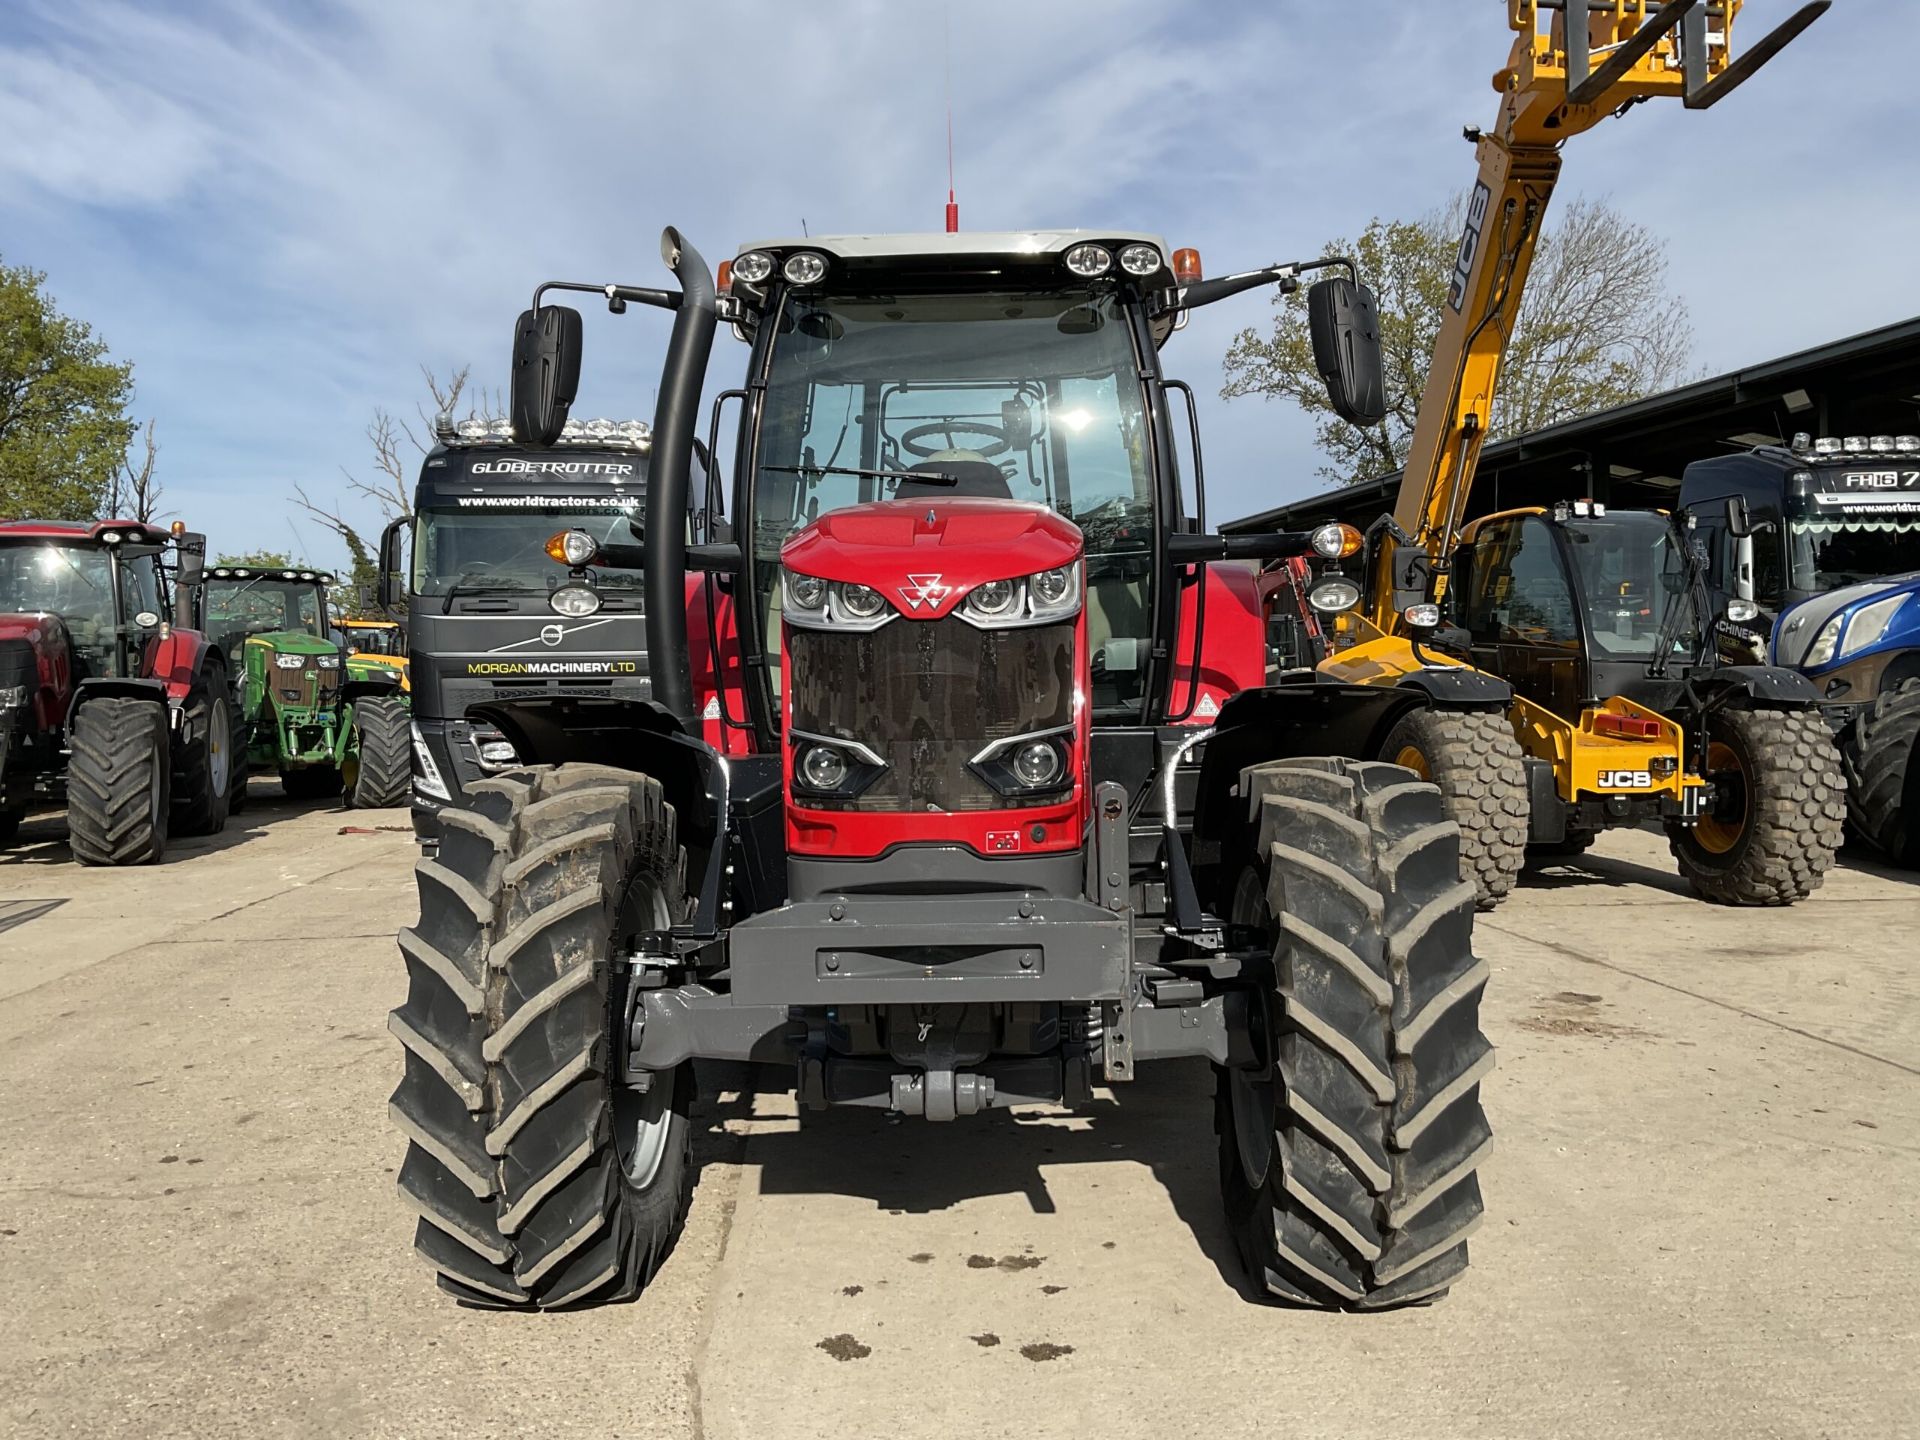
1701, 1211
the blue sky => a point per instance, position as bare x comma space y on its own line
280, 212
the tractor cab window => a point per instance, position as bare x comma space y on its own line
1635, 584
1026, 396
74, 582
140, 588
1517, 590
243, 605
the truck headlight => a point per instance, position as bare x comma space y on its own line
426, 774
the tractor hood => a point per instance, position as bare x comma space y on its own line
925, 555
1876, 615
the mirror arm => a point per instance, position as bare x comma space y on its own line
1212, 549
617, 296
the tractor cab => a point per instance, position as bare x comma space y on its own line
106, 583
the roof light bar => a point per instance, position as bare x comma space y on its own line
601, 433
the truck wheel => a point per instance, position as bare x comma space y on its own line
1349, 1150
380, 772
541, 1178
1883, 782
1778, 813
311, 782
119, 782
1477, 763
203, 763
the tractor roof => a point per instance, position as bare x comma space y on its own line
1009, 243
130, 530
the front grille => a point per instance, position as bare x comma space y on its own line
926, 697
309, 686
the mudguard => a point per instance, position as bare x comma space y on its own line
1458, 688
1758, 687
129, 687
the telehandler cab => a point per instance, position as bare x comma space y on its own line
958, 785
1733, 760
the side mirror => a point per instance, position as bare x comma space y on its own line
546, 372
1741, 581
1345, 325
391, 589
1739, 522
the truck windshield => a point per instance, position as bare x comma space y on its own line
1634, 583
489, 542
1015, 395
239, 606
1827, 554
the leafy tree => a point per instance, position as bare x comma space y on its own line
1597, 327
263, 560
64, 429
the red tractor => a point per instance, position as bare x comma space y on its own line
106, 705
959, 785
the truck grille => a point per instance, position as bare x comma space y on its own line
926, 697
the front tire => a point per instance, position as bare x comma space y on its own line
1779, 810
382, 767
1883, 782
541, 1178
119, 782
1349, 1151
203, 768
1473, 757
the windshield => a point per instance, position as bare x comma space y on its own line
487, 542
1634, 584
1010, 395
71, 581
241, 606
1827, 554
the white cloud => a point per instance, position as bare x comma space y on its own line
278, 215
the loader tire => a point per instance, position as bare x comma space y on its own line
1349, 1150
1477, 763
119, 782
382, 767
203, 761
311, 782
1883, 780
1778, 814
540, 1177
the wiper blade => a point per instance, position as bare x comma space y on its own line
474, 585
931, 477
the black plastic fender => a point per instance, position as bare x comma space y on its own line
130, 687
1757, 687
1455, 688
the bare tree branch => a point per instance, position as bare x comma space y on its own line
134, 491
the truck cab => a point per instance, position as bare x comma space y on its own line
1824, 538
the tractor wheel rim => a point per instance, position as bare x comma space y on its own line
1411, 757
219, 736
1719, 830
643, 1119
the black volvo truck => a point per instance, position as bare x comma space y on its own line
479, 582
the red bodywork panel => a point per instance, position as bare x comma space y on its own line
80, 530
721, 694
925, 556
1233, 656
174, 660
47, 637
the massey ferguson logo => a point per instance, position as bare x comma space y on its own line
924, 590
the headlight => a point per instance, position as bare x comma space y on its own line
809, 601
573, 547
1869, 623
1333, 594
805, 268
862, 602
574, 600
1821, 651
1029, 600
1026, 765
1422, 617
329, 662
1088, 261
753, 267
289, 662
11, 695
1140, 259
830, 768
1336, 541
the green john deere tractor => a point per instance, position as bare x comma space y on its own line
325, 719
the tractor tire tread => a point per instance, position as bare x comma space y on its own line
118, 742
1476, 761
385, 777
1883, 780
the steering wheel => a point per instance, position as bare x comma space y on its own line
913, 442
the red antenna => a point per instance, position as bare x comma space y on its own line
953, 206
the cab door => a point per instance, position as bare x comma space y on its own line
1518, 609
